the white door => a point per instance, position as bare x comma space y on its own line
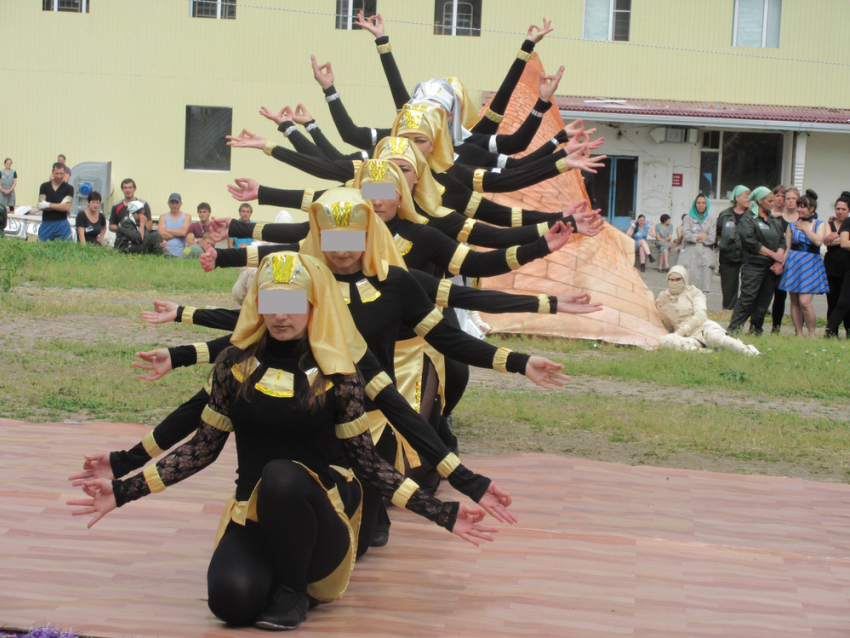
655, 187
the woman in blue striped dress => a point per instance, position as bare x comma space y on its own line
803, 273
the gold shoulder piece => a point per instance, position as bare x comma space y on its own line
403, 245
367, 291
345, 289
277, 383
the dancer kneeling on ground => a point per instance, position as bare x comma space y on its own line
293, 520
682, 309
133, 236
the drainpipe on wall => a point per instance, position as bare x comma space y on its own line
793, 158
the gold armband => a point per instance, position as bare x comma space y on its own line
542, 228
427, 324
561, 165
448, 465
510, 257
443, 291
516, 217
153, 480
384, 48
463, 235
472, 205
493, 116
216, 420
188, 313
253, 255
544, 307
353, 428
257, 233
202, 352
478, 180
376, 385
149, 443
307, 199
525, 56
500, 359
457, 259
404, 492
269, 147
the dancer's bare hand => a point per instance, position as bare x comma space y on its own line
588, 223
372, 24
324, 74
301, 116
557, 236
496, 502
157, 361
577, 308
538, 35
246, 139
246, 190
219, 227
208, 259
100, 500
545, 373
549, 84
96, 466
574, 127
583, 137
581, 160
163, 312
270, 115
468, 528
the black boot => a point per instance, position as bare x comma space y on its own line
829, 334
287, 610
651, 258
643, 267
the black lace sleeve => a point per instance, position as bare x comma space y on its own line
350, 397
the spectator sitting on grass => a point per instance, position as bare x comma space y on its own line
198, 248
174, 225
245, 212
91, 223
198, 228
134, 238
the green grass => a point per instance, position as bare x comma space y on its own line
789, 366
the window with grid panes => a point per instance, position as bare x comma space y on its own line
457, 17
347, 10
216, 9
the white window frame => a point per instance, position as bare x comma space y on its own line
350, 16
454, 4
763, 26
611, 11
218, 7
84, 6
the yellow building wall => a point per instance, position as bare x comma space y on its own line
114, 84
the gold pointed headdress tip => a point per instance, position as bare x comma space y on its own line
378, 170
398, 145
412, 119
340, 213
285, 268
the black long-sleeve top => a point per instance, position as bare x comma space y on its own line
309, 438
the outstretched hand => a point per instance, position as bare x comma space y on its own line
163, 312
582, 141
246, 139
538, 36
219, 227
574, 127
588, 222
301, 116
545, 373
577, 304
96, 466
496, 502
100, 500
157, 361
467, 527
270, 115
549, 84
208, 259
557, 236
376, 28
581, 160
246, 190
324, 74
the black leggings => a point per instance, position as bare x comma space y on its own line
832, 298
777, 312
300, 539
841, 309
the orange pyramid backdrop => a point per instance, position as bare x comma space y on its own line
602, 266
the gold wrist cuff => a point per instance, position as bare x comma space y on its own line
153, 480
516, 217
269, 147
500, 359
307, 199
443, 292
457, 259
253, 256
463, 235
542, 228
202, 352
510, 257
478, 180
376, 385
257, 233
525, 56
493, 116
472, 205
188, 313
544, 305
149, 443
448, 465
561, 165
427, 324
384, 48
216, 420
404, 492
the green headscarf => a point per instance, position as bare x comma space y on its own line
695, 213
758, 194
740, 188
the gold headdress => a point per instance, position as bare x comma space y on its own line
469, 116
430, 121
427, 191
382, 170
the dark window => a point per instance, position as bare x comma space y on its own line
206, 149
223, 9
68, 6
457, 17
711, 139
754, 159
347, 10
708, 175
622, 16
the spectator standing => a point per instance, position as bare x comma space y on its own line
91, 223
8, 181
803, 272
788, 215
778, 200
699, 232
198, 228
54, 202
729, 244
837, 260
134, 238
640, 231
119, 210
174, 225
663, 240
245, 212
763, 249
61, 159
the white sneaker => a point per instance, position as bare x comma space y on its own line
751, 351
